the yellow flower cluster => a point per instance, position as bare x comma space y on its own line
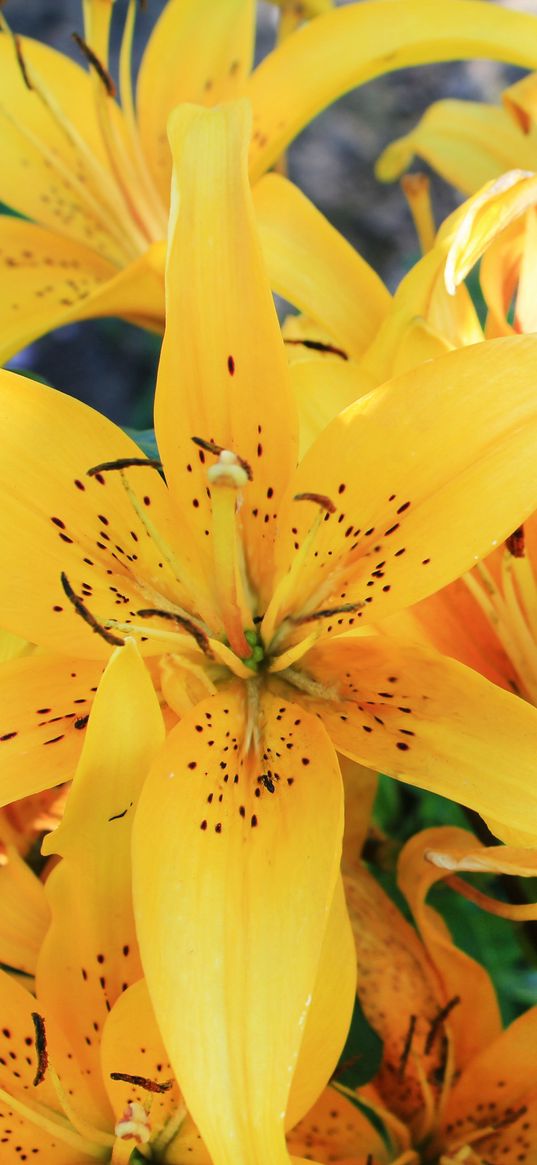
328, 571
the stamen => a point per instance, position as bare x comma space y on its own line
201, 638
124, 463
22, 62
318, 346
143, 1082
87, 616
134, 1125
210, 447
227, 478
40, 1047
407, 1046
319, 499
416, 189
95, 63
325, 613
437, 1022
39, 1115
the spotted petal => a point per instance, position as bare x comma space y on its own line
231, 919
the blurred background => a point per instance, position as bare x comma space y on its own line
112, 365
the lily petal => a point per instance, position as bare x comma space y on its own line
352, 45
437, 443
56, 518
330, 1014
315, 268
90, 953
475, 1021
323, 388
222, 37
216, 285
336, 1130
24, 912
467, 142
45, 703
426, 719
231, 920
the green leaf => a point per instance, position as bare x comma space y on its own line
146, 440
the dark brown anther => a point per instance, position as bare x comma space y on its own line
516, 543
197, 633
437, 1022
95, 63
319, 499
142, 1082
211, 447
40, 1047
87, 616
325, 613
318, 346
22, 63
407, 1046
124, 463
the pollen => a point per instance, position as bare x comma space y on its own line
134, 1124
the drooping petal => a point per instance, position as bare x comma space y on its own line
24, 913
448, 446
400, 994
428, 720
313, 266
491, 211
351, 45
56, 518
497, 1094
475, 1019
90, 953
231, 389
45, 701
330, 1014
199, 51
335, 1130
231, 920
467, 142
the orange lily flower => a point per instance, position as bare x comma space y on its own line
452, 1086
92, 176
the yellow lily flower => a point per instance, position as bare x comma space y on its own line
93, 176
452, 1086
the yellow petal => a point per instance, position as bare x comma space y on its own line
336, 1130
475, 1020
323, 388
231, 919
90, 952
131, 1044
487, 214
24, 913
499, 275
520, 101
351, 45
312, 265
468, 143
361, 786
55, 518
330, 1014
450, 445
426, 719
45, 702
55, 169
234, 389
199, 51
498, 1091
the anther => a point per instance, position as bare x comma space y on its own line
325, 613
220, 451
407, 1046
267, 782
40, 1047
124, 463
437, 1022
197, 633
21, 62
318, 346
87, 616
95, 63
143, 1082
134, 1125
515, 543
319, 499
